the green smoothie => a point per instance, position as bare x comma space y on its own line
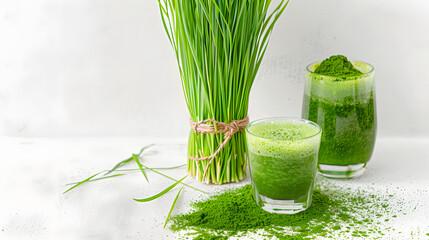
283, 157
343, 104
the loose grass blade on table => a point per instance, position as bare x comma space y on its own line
120, 164
219, 46
82, 182
106, 177
172, 207
156, 168
131, 170
159, 194
92, 179
140, 166
162, 174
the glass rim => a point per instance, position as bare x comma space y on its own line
305, 121
352, 60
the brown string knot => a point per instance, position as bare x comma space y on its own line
228, 128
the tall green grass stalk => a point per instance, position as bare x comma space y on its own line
219, 46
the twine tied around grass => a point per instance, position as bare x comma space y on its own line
228, 128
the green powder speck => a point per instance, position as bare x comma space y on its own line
234, 213
337, 66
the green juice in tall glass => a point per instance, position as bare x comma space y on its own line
283, 162
344, 107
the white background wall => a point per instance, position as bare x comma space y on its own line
105, 67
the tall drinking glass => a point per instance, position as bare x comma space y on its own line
283, 163
345, 109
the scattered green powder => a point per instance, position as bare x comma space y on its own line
334, 212
337, 66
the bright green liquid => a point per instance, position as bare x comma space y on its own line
282, 164
346, 113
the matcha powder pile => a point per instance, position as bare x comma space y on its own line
335, 212
337, 66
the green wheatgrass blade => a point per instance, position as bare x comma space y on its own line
172, 207
90, 179
130, 170
101, 178
140, 166
106, 177
159, 194
82, 182
127, 160
156, 168
162, 174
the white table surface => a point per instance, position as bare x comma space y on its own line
35, 171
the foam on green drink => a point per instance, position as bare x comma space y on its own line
283, 157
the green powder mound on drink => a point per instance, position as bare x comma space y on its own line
335, 212
337, 66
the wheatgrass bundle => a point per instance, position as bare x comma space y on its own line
219, 46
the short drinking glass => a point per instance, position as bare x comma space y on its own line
283, 163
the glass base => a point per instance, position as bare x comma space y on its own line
341, 172
283, 206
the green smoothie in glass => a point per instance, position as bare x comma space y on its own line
340, 97
283, 162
